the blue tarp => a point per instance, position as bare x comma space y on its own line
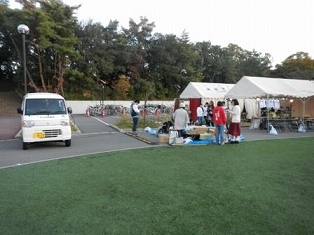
209, 141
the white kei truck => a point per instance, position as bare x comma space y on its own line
45, 118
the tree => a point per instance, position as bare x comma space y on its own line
121, 87
296, 66
254, 64
138, 39
104, 57
173, 63
56, 36
11, 43
82, 60
218, 64
50, 42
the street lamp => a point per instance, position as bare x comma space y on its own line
23, 29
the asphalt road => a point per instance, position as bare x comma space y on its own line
96, 135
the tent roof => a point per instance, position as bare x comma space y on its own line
205, 90
252, 87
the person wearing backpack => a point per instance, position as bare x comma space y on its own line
135, 114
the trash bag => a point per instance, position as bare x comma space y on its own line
302, 128
273, 130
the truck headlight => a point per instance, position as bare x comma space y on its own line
65, 123
28, 123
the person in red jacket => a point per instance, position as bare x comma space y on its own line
219, 119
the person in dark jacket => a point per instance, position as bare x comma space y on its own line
135, 114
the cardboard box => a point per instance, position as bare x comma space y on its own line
197, 130
205, 136
163, 138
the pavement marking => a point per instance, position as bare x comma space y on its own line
131, 134
101, 121
136, 136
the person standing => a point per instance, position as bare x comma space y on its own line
135, 114
210, 110
200, 114
205, 113
180, 119
158, 112
228, 116
219, 119
235, 128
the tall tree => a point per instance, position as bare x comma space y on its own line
296, 66
56, 39
173, 63
218, 64
103, 63
254, 64
138, 36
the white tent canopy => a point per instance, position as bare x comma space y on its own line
205, 90
215, 92
254, 87
263, 87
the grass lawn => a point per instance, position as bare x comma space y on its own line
260, 187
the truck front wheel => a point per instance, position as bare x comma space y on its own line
25, 145
68, 143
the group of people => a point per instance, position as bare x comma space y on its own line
220, 121
214, 116
205, 114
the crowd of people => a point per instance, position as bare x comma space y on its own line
223, 119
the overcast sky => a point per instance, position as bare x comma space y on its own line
278, 27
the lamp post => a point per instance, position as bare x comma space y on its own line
102, 87
23, 29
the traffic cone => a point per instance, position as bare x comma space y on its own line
103, 114
87, 113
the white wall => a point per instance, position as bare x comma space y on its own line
80, 107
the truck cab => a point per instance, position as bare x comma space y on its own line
45, 118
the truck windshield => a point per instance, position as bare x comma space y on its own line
45, 107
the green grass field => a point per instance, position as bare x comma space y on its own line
260, 187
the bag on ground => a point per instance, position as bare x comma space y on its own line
172, 136
302, 128
273, 130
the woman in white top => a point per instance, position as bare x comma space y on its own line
235, 128
200, 114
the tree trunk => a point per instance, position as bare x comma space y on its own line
60, 79
41, 70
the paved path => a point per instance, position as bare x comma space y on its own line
97, 135
10, 126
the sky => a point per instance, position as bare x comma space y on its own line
278, 27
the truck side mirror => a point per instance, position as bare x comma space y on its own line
19, 111
69, 110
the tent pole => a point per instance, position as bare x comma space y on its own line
267, 105
304, 100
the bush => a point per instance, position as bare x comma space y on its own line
125, 122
